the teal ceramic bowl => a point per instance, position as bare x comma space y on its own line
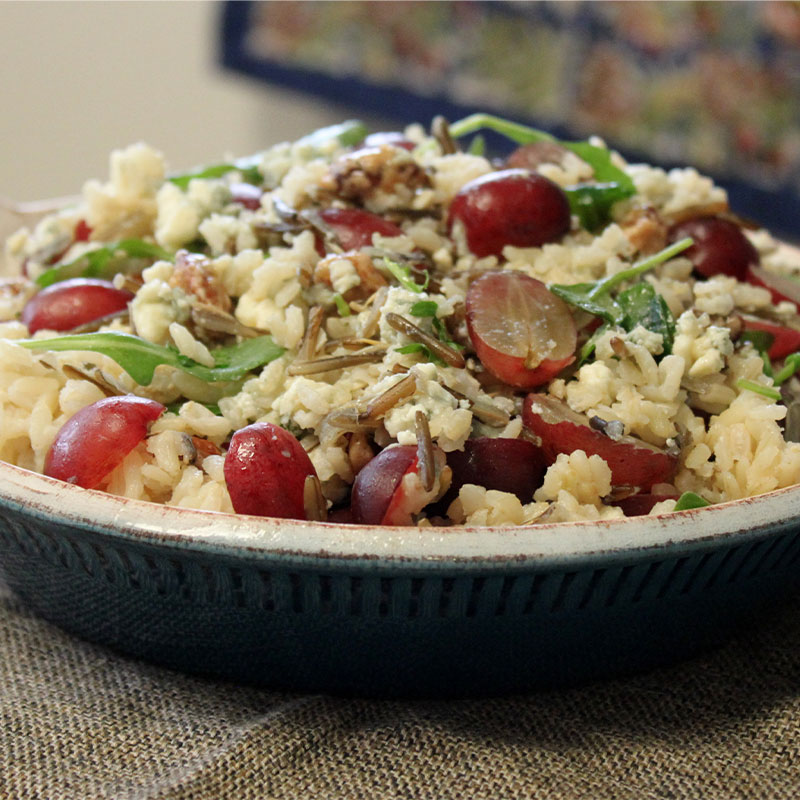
393, 611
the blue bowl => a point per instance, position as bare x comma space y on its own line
393, 611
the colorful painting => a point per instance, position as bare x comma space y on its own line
715, 84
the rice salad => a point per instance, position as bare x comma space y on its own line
401, 329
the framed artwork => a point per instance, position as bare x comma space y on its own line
715, 85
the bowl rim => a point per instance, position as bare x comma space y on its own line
31, 494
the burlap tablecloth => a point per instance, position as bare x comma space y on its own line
79, 722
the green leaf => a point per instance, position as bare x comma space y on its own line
423, 350
594, 296
341, 305
477, 147
599, 158
761, 341
641, 305
440, 329
424, 308
212, 407
347, 134
402, 274
690, 500
105, 262
605, 285
248, 166
580, 296
759, 388
139, 358
791, 364
586, 352
592, 202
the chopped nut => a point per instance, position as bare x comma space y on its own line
194, 275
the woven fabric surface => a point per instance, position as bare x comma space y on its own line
79, 722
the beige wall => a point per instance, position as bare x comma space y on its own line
80, 78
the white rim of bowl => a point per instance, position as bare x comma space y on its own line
186, 528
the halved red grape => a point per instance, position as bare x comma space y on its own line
376, 483
67, 304
632, 461
522, 333
720, 247
781, 287
265, 472
510, 207
389, 489
353, 227
97, 438
507, 465
785, 340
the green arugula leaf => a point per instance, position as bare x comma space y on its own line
176, 407
423, 350
605, 285
424, 308
592, 202
402, 274
594, 296
758, 388
105, 262
341, 305
637, 305
580, 296
248, 166
589, 345
641, 305
791, 364
690, 500
761, 341
427, 309
440, 329
139, 358
348, 133
599, 158
477, 147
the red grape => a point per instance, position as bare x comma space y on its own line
522, 333
785, 340
82, 231
98, 437
388, 490
265, 471
67, 304
632, 461
353, 227
720, 247
377, 482
512, 206
532, 155
781, 287
341, 516
394, 138
507, 465
637, 505
246, 195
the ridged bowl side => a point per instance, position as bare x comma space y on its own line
361, 624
